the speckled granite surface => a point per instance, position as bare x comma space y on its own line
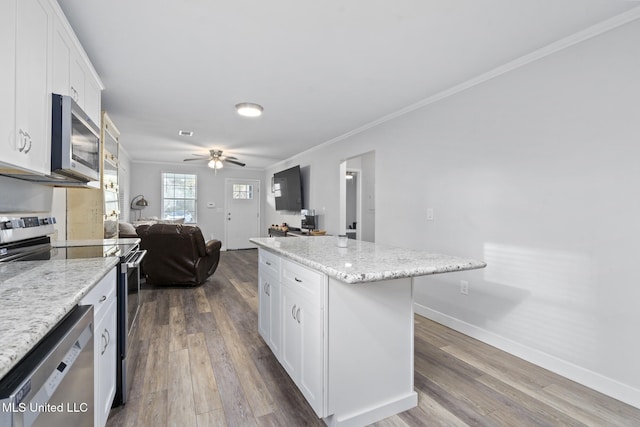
362, 261
91, 242
36, 295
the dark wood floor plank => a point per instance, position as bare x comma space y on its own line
181, 407
236, 407
205, 388
203, 342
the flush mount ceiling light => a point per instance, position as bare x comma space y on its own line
249, 109
185, 133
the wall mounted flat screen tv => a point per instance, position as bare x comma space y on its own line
287, 189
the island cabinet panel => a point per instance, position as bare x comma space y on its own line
371, 347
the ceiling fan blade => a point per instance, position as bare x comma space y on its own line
234, 162
190, 160
230, 157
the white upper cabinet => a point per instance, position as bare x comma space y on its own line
25, 136
72, 75
40, 55
8, 150
61, 75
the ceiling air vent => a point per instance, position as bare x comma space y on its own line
185, 133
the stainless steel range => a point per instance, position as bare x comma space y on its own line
27, 239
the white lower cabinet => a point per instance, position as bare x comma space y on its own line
292, 322
106, 375
103, 299
347, 346
269, 317
302, 345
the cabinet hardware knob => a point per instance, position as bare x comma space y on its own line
293, 311
297, 280
104, 343
298, 314
268, 263
104, 297
21, 141
30, 140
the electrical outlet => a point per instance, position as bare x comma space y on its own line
429, 214
464, 287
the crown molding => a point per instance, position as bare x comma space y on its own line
557, 46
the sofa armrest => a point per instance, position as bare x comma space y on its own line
213, 245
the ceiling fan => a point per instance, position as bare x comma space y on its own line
216, 159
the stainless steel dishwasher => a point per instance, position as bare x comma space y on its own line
53, 385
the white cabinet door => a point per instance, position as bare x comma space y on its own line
311, 354
269, 310
264, 307
302, 345
291, 334
92, 98
76, 79
275, 338
10, 154
61, 60
33, 100
103, 298
106, 373
71, 75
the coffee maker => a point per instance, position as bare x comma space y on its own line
308, 219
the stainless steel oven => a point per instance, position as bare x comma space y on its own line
129, 301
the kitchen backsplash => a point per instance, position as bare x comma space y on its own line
17, 196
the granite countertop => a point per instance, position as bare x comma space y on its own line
361, 261
94, 242
36, 295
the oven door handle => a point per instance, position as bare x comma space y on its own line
136, 258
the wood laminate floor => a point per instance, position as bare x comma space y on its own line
202, 363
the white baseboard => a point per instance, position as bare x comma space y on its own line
374, 414
593, 380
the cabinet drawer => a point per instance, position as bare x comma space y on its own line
269, 262
310, 283
102, 294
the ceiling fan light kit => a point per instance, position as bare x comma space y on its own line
215, 164
249, 109
216, 160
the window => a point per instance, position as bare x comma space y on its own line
243, 191
179, 196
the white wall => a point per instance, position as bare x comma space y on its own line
146, 179
535, 172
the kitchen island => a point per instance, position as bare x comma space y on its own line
340, 321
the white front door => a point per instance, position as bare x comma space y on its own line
242, 209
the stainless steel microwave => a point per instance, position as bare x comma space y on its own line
75, 141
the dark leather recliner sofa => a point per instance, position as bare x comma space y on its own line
177, 254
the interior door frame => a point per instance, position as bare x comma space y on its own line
227, 198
